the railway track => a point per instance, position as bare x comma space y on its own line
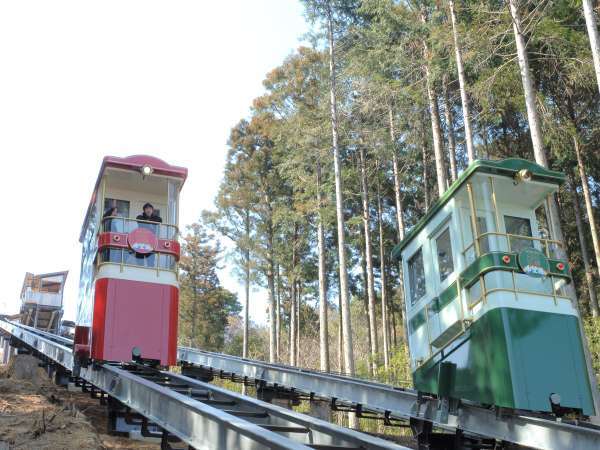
199, 414
386, 401
405, 404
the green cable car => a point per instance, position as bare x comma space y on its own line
488, 311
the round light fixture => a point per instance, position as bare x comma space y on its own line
147, 170
523, 175
506, 259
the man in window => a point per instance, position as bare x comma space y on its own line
143, 222
149, 216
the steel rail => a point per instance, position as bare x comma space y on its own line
51, 336
218, 419
404, 403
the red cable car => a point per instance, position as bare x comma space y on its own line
128, 289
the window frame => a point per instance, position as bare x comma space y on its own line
511, 236
117, 200
412, 300
446, 227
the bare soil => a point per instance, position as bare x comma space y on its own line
37, 414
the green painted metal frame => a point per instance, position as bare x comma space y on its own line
487, 262
515, 358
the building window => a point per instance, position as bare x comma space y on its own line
518, 226
445, 259
416, 277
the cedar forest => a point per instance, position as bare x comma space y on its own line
355, 137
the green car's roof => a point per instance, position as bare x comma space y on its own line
506, 167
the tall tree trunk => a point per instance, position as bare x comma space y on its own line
450, 129
339, 202
400, 229
434, 112
194, 316
394, 333
246, 289
298, 298
541, 159
592, 29
323, 325
293, 294
366, 218
396, 171
588, 202
340, 335
278, 316
589, 274
363, 266
340, 338
425, 174
292, 332
535, 126
463, 86
271, 294
246, 284
384, 311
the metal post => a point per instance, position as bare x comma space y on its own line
474, 229
475, 234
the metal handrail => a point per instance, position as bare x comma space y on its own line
126, 220
508, 236
156, 256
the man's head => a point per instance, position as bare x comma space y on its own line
148, 209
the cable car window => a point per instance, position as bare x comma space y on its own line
121, 205
112, 255
416, 276
172, 189
167, 262
135, 259
114, 225
518, 226
167, 232
445, 258
484, 242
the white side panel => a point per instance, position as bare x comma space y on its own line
137, 274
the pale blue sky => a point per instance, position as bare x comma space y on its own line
80, 80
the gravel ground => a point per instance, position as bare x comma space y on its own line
36, 414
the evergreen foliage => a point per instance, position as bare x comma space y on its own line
396, 75
205, 307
